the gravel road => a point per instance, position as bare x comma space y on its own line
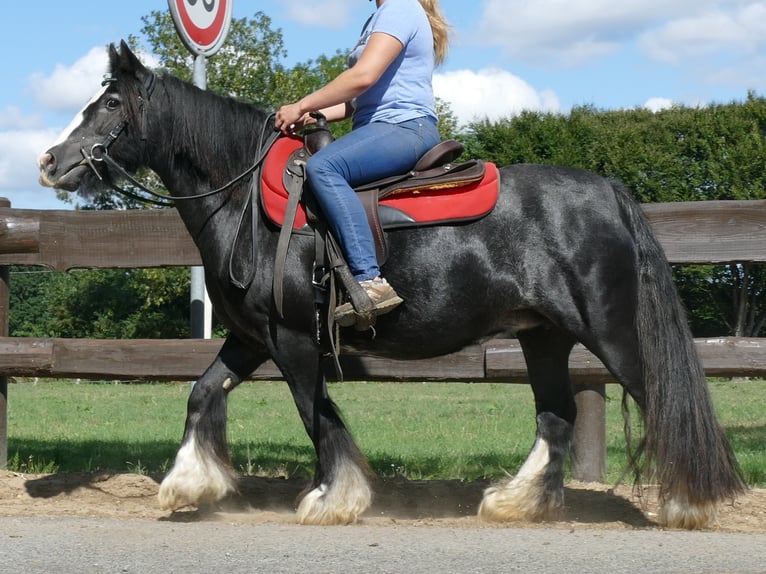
64, 545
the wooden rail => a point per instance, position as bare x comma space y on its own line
499, 360
690, 232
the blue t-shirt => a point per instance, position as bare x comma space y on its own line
404, 91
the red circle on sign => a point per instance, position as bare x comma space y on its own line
205, 40
202, 36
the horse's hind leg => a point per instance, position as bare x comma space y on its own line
341, 488
202, 472
537, 490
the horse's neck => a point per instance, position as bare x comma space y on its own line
204, 140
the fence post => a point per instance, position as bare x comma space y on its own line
589, 443
5, 291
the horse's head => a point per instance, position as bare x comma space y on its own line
114, 122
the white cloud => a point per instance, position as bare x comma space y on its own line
67, 88
657, 104
23, 137
18, 168
490, 94
12, 118
573, 32
57, 96
334, 14
742, 29
718, 47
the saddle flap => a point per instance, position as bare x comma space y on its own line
274, 195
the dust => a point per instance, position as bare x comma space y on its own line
451, 504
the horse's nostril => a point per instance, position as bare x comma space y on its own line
46, 162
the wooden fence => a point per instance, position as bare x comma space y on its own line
697, 232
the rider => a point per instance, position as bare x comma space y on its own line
387, 91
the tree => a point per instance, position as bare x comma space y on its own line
246, 67
110, 303
724, 299
29, 315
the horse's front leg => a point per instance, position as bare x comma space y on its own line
341, 488
202, 472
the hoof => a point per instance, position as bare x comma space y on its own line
339, 503
686, 516
520, 501
196, 478
534, 494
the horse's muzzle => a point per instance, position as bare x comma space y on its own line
52, 176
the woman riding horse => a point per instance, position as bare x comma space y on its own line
387, 91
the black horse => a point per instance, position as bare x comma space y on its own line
566, 256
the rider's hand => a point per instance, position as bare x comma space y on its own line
290, 118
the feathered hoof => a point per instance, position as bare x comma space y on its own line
176, 494
340, 503
516, 501
317, 509
195, 479
687, 516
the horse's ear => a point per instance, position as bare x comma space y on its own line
125, 60
114, 58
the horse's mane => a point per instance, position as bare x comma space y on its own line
219, 131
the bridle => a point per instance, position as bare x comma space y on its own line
99, 154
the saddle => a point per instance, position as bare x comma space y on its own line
435, 191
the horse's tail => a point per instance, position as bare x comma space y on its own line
686, 451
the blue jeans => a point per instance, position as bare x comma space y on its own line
368, 153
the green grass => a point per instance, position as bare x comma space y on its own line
420, 431
741, 409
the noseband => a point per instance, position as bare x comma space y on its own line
99, 154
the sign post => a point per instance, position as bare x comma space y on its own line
202, 26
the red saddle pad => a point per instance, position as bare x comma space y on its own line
422, 207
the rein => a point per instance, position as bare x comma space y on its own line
99, 154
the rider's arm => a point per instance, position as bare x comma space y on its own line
381, 50
334, 113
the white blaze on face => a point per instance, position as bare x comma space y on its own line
77, 120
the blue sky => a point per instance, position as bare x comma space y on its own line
507, 56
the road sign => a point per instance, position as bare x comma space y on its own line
202, 24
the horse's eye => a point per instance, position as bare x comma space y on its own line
112, 104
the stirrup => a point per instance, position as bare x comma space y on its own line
347, 314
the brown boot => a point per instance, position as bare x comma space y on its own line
382, 295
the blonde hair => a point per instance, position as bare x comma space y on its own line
439, 27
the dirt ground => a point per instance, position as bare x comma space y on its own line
271, 500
